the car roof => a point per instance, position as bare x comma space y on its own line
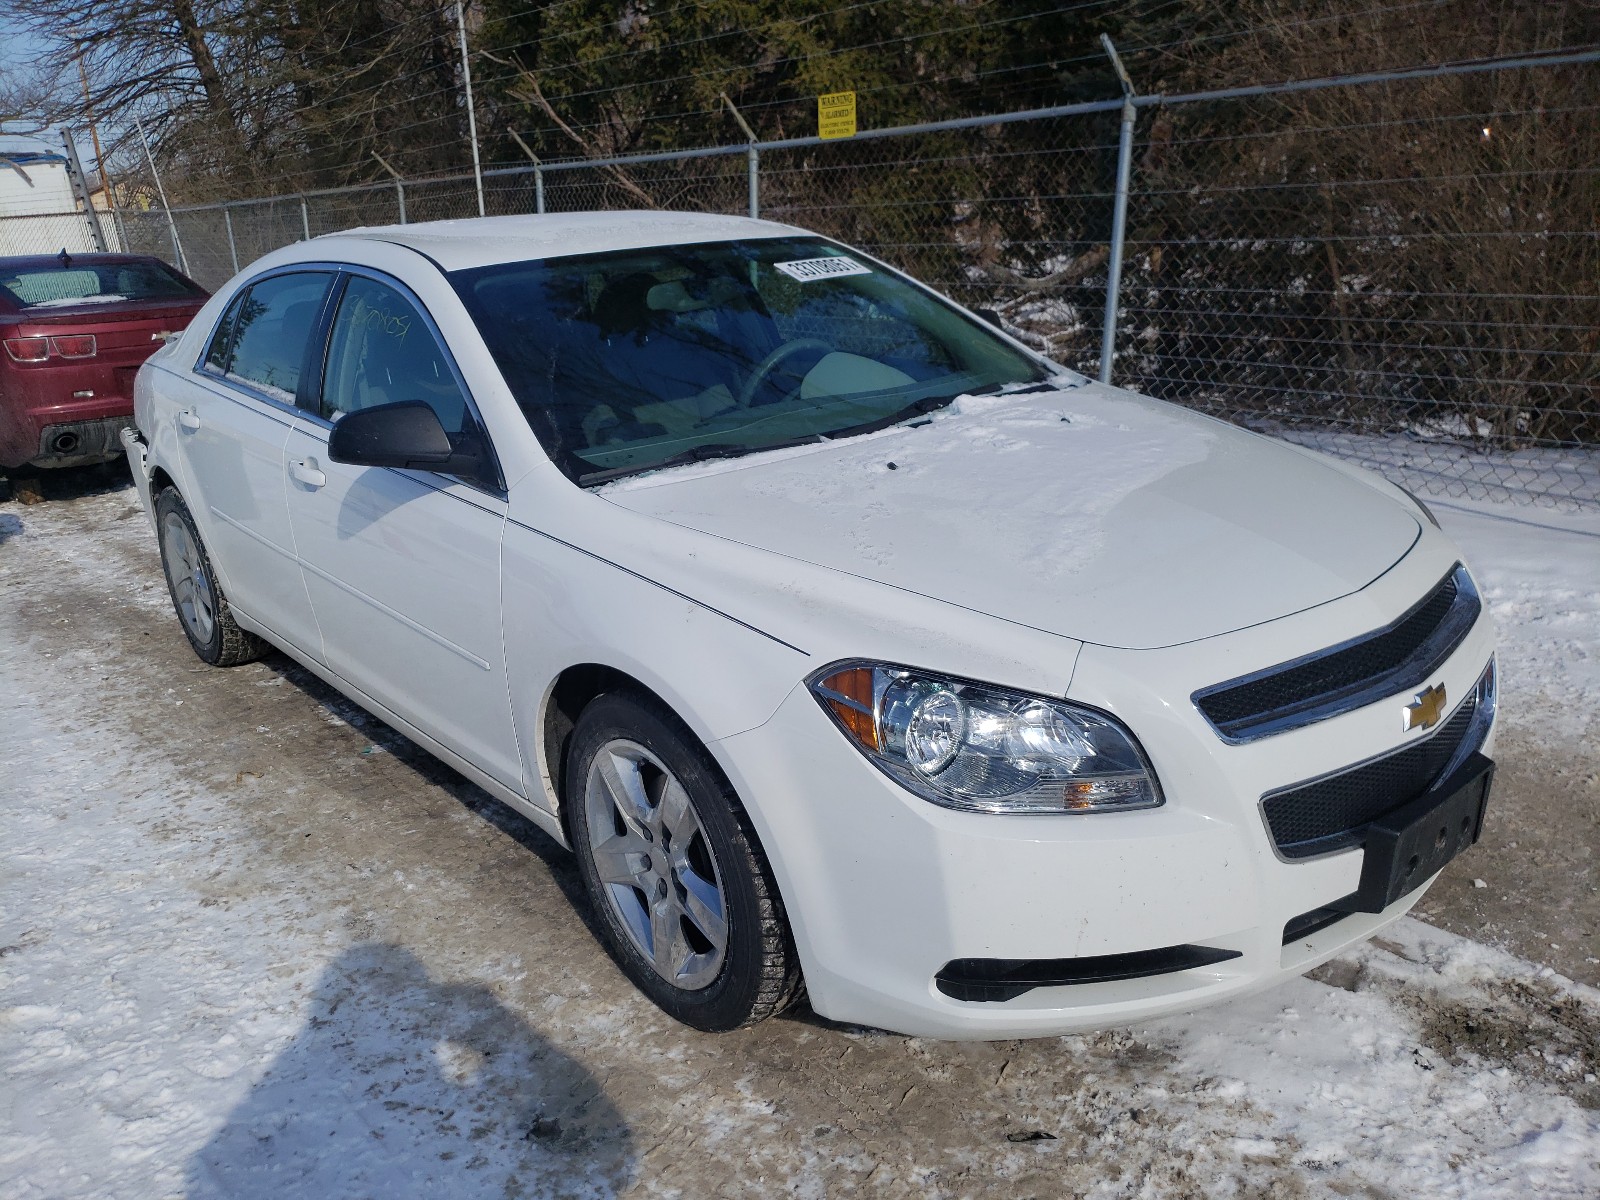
483, 241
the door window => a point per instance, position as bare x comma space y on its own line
267, 332
382, 352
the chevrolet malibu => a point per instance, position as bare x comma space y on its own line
852, 647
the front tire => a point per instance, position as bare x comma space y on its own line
197, 596
684, 898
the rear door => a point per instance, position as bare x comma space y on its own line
403, 567
236, 409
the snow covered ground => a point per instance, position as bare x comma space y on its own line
254, 944
1542, 574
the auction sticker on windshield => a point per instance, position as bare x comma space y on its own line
806, 269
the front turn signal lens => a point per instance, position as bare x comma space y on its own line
847, 695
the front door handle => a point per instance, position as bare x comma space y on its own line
188, 421
306, 472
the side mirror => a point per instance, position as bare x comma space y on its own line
406, 435
989, 315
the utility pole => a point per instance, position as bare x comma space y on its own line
94, 137
472, 116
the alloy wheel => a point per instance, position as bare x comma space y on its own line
191, 586
655, 864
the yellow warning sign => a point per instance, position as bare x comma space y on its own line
836, 115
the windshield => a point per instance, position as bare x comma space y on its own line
94, 283
629, 361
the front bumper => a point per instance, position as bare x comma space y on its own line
138, 452
884, 890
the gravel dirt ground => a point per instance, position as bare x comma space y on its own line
252, 943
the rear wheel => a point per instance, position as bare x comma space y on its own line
684, 896
196, 595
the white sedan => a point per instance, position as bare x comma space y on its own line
854, 648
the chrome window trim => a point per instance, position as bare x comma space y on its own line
1412, 672
1484, 694
250, 393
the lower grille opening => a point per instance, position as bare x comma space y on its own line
981, 980
1311, 922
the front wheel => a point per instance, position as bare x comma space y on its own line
686, 902
196, 595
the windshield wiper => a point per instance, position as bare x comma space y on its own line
713, 450
930, 404
693, 454
917, 408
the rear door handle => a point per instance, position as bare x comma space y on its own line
187, 420
307, 473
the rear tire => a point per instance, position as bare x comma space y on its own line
683, 895
197, 595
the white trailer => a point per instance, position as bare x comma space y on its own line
39, 212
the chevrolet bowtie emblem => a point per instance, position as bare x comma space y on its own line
1424, 712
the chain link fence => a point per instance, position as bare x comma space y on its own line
51, 233
1416, 292
1403, 270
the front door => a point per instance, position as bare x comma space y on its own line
403, 567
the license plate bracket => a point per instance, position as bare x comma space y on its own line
1407, 847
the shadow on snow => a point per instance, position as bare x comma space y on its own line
402, 1085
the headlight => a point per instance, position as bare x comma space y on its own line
971, 746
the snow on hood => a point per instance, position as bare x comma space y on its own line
1092, 513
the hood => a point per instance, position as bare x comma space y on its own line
1091, 513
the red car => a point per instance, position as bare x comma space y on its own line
75, 329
